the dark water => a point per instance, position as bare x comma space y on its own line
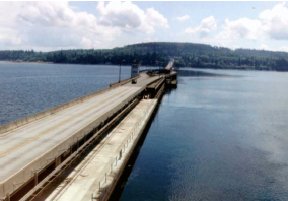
213, 138
30, 88
217, 139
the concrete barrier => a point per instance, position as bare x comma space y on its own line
15, 124
123, 81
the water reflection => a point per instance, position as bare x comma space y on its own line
196, 73
28, 88
217, 138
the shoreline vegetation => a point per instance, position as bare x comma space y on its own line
157, 54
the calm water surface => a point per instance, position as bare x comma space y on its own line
217, 139
213, 138
27, 88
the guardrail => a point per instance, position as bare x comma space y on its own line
117, 165
17, 123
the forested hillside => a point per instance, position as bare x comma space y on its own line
185, 55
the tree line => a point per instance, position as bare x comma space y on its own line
158, 54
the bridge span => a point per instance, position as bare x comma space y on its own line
36, 151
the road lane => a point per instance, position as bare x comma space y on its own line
32, 146
34, 142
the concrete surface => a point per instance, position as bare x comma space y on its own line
30, 147
101, 167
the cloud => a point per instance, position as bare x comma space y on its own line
270, 27
130, 17
50, 25
207, 25
183, 18
242, 28
275, 21
154, 18
57, 25
120, 14
270, 23
8, 33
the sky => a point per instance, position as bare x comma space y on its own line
54, 25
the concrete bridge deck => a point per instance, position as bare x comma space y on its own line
28, 148
94, 177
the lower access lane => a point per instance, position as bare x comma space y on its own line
96, 175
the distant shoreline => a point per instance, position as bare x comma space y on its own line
46, 62
32, 62
158, 54
183, 68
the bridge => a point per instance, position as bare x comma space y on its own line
78, 151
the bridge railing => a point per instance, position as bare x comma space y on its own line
104, 189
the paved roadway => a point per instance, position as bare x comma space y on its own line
28, 143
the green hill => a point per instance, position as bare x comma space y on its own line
158, 53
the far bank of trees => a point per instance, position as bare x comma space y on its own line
151, 54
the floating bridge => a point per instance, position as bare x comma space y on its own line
78, 151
